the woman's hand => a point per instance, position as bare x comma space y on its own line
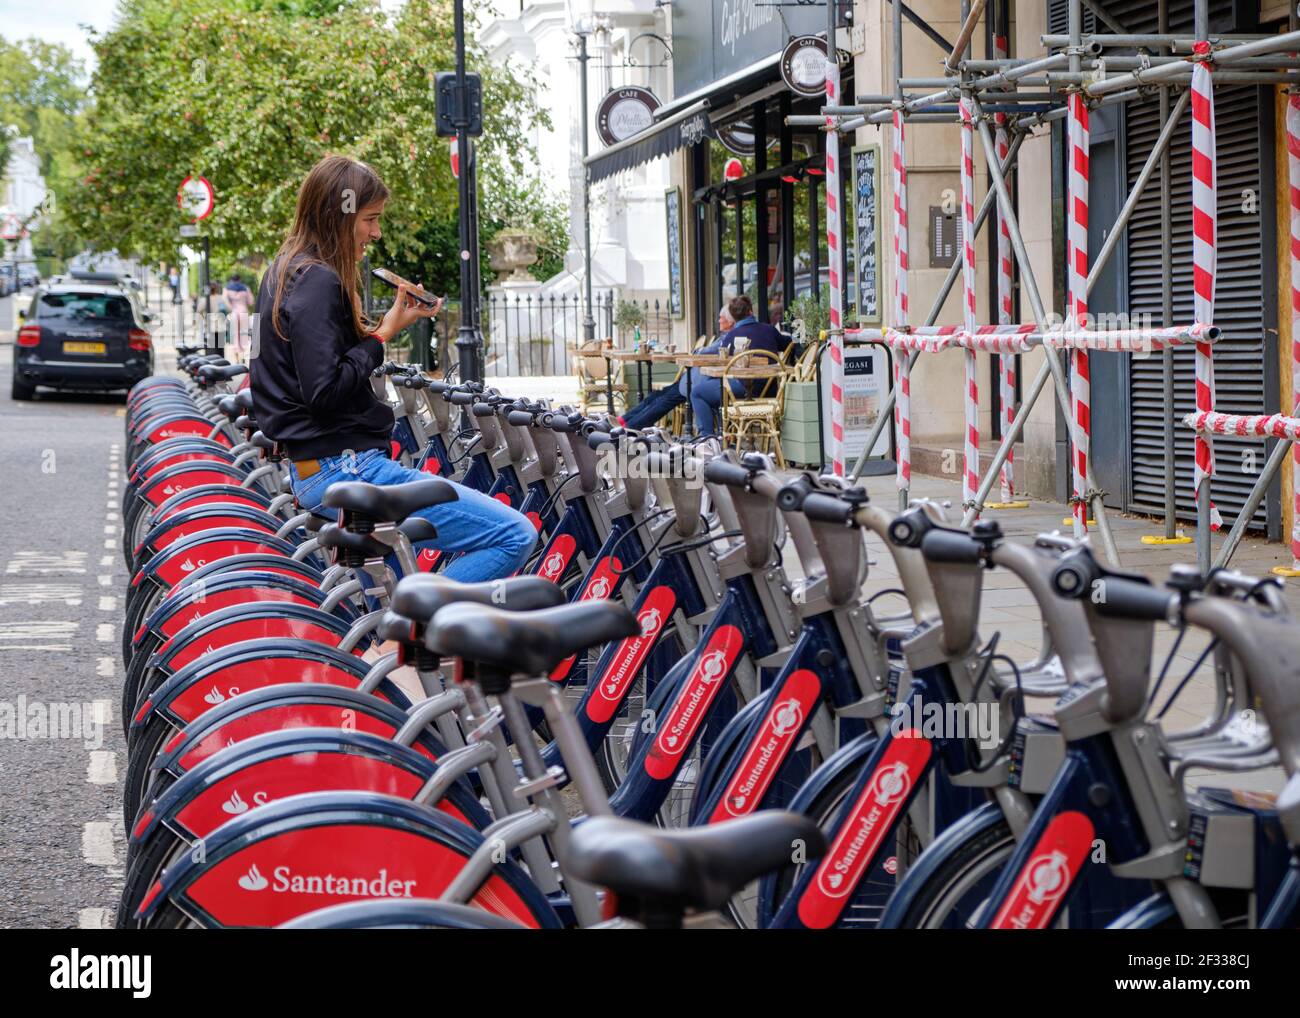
404, 313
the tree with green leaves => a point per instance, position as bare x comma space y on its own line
250, 93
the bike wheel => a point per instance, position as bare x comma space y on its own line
952, 895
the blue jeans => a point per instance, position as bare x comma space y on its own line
706, 398
495, 539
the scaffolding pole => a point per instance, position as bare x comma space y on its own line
1085, 68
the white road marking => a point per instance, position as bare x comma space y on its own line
40, 562
37, 630
104, 632
106, 560
92, 919
40, 593
103, 710
104, 669
110, 516
107, 604
110, 529
102, 769
110, 543
106, 581
97, 843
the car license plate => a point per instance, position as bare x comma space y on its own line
98, 348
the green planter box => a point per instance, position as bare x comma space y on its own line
804, 453
800, 401
800, 424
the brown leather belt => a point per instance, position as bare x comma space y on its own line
306, 468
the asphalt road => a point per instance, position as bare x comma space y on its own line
62, 753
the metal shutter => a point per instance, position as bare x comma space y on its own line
1239, 358
1139, 16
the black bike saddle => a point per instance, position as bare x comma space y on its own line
421, 597
532, 643
388, 503
692, 868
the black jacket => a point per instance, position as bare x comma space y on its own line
311, 390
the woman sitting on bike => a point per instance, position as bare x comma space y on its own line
311, 365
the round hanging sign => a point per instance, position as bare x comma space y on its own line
803, 65
625, 112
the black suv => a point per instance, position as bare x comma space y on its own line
81, 335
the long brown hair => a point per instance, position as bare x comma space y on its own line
324, 230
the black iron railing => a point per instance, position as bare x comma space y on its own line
536, 335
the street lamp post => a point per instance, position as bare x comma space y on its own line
469, 339
583, 29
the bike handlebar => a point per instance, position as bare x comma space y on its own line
723, 471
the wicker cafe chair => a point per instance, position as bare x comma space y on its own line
755, 421
594, 378
804, 368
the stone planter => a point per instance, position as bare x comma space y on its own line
510, 253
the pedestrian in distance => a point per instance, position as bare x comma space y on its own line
311, 376
239, 305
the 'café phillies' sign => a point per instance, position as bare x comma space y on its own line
715, 38
625, 112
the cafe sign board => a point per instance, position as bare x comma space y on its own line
625, 112
803, 65
715, 38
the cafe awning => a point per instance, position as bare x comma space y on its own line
687, 126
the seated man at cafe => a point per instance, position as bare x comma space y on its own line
735, 322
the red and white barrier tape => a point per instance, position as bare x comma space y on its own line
1208, 422
1205, 214
971, 460
834, 255
1131, 340
1293, 170
902, 367
1076, 248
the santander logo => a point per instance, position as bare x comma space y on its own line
710, 669
553, 566
785, 722
253, 880
285, 881
889, 784
650, 620
215, 696
599, 588
236, 804
692, 703
630, 654
188, 566
615, 681
1048, 877
865, 828
771, 744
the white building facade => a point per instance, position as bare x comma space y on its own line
21, 193
626, 46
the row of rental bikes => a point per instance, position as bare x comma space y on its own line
682, 711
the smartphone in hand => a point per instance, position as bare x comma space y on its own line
417, 293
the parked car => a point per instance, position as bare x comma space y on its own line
81, 335
28, 276
8, 280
